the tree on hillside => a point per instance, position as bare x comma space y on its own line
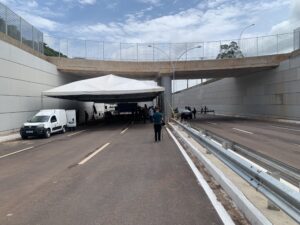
51, 52
230, 51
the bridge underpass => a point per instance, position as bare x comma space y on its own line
164, 71
131, 180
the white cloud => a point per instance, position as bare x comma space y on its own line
152, 2
40, 22
87, 2
292, 22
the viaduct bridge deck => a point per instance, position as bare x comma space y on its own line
183, 69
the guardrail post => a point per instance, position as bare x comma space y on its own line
204, 132
227, 145
271, 205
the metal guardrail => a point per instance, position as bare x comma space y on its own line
101, 50
19, 29
282, 196
287, 172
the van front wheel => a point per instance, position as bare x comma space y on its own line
47, 133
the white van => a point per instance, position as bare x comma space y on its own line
45, 123
71, 119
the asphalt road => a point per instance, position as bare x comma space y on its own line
78, 178
280, 141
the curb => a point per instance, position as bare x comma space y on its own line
10, 137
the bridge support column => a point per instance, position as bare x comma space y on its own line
166, 102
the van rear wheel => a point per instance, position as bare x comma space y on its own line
47, 133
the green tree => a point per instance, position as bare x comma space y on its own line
51, 52
230, 51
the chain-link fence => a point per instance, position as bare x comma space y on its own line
19, 29
248, 47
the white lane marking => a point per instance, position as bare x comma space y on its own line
285, 128
212, 123
9, 214
225, 217
78, 132
16, 152
244, 131
92, 155
124, 131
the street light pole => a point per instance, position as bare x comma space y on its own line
243, 30
174, 64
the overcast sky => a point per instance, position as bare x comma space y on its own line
158, 20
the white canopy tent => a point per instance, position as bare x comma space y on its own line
107, 89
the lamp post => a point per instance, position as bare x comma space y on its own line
174, 64
243, 30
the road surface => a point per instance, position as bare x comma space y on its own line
101, 175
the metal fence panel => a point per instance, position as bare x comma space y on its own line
129, 52
211, 49
13, 25
27, 33
193, 51
112, 51
284, 43
145, 52
2, 18
92, 49
19, 29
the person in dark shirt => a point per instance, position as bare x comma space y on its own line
157, 120
194, 112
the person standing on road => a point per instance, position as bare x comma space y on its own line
157, 120
194, 112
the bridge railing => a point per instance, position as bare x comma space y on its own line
99, 50
19, 29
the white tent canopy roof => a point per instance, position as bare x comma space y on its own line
107, 89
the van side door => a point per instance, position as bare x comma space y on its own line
54, 123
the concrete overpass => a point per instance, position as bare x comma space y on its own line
183, 69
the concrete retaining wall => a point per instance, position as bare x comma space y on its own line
274, 93
23, 77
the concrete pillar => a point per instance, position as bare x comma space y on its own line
166, 103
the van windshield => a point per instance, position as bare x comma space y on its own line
38, 119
